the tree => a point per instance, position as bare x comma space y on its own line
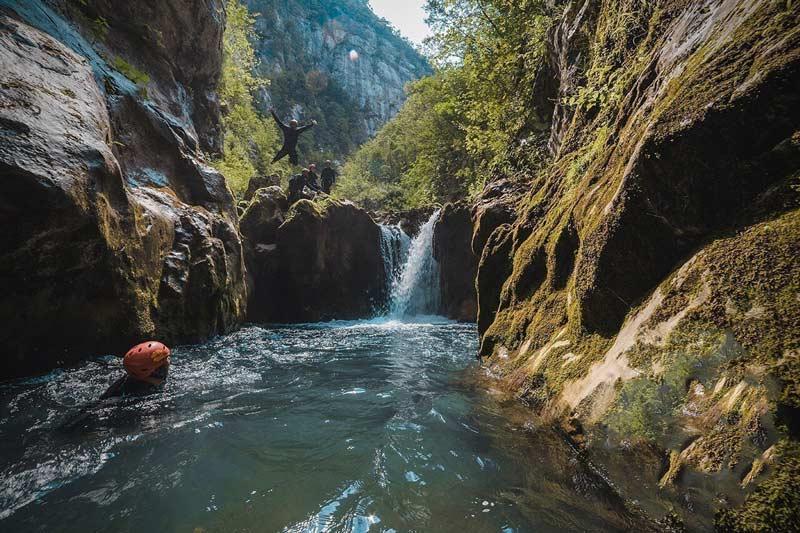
457, 126
249, 138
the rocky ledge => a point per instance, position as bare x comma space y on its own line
319, 260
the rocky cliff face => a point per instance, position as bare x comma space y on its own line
112, 226
305, 50
647, 286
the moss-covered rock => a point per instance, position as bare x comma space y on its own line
647, 286
325, 263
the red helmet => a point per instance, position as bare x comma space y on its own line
144, 359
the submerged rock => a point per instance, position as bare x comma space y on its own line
113, 228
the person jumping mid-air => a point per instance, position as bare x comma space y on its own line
291, 134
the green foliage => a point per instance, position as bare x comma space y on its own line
619, 30
420, 157
460, 125
250, 139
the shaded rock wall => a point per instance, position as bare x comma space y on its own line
452, 248
321, 260
114, 228
638, 286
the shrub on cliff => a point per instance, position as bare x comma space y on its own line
250, 139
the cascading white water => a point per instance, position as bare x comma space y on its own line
394, 248
416, 290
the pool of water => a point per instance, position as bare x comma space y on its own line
372, 426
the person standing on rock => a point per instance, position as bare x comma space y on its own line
291, 134
313, 178
296, 185
328, 177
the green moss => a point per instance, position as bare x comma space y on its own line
775, 504
763, 43
138, 77
648, 406
314, 208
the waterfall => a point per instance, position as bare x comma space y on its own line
415, 290
394, 248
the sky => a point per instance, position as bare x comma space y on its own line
405, 15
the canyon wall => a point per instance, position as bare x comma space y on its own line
113, 226
304, 49
645, 292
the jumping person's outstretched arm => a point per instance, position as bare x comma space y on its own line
307, 126
278, 121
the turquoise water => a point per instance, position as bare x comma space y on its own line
374, 426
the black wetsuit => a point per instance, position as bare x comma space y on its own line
290, 138
328, 179
296, 184
124, 387
128, 386
312, 182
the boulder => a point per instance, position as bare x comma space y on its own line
325, 263
261, 182
264, 215
452, 236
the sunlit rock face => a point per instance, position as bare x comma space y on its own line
341, 43
113, 227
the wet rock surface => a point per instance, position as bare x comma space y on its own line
410, 220
114, 229
323, 262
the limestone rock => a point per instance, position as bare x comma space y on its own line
264, 215
260, 182
325, 264
410, 220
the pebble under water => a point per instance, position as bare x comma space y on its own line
371, 426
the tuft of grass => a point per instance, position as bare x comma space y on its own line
141, 79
